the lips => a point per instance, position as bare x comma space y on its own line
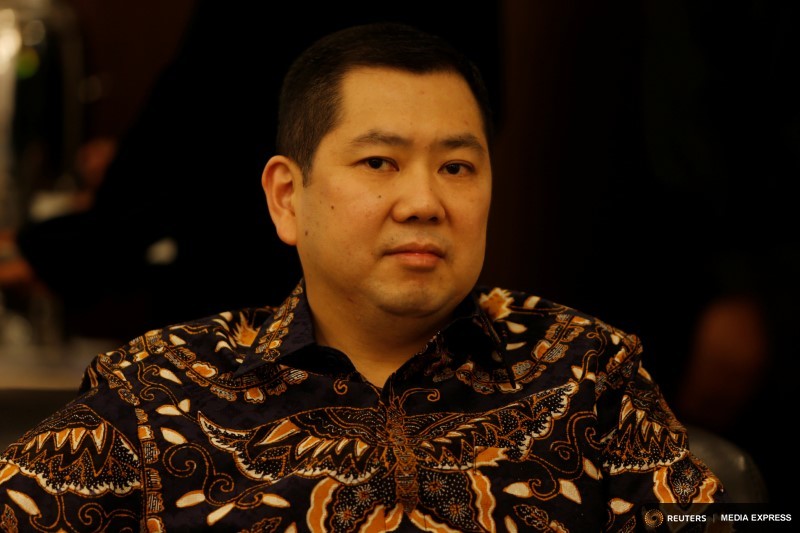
417, 248
417, 257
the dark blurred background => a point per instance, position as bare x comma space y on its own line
643, 170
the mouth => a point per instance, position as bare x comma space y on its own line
417, 249
420, 257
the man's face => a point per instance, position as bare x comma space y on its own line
394, 216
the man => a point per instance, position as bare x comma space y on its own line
386, 392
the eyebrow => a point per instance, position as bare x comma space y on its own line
372, 137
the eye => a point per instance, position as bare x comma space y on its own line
379, 163
457, 169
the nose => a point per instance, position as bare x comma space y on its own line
419, 198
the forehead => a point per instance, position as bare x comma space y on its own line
381, 98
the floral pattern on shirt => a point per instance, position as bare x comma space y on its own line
522, 414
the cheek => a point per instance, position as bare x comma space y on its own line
345, 201
470, 227
343, 223
473, 215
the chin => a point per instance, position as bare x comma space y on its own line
420, 302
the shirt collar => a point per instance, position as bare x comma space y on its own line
290, 329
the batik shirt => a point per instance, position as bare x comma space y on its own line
520, 414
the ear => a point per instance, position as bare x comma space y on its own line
281, 178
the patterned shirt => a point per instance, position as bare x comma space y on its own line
520, 414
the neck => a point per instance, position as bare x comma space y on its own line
377, 343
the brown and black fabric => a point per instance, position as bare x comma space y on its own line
521, 414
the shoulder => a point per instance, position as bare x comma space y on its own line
207, 348
230, 329
502, 304
550, 328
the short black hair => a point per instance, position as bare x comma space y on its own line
310, 95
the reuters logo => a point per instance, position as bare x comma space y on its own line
653, 518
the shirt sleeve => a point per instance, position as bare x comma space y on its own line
645, 457
77, 470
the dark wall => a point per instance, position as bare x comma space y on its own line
642, 175
125, 46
